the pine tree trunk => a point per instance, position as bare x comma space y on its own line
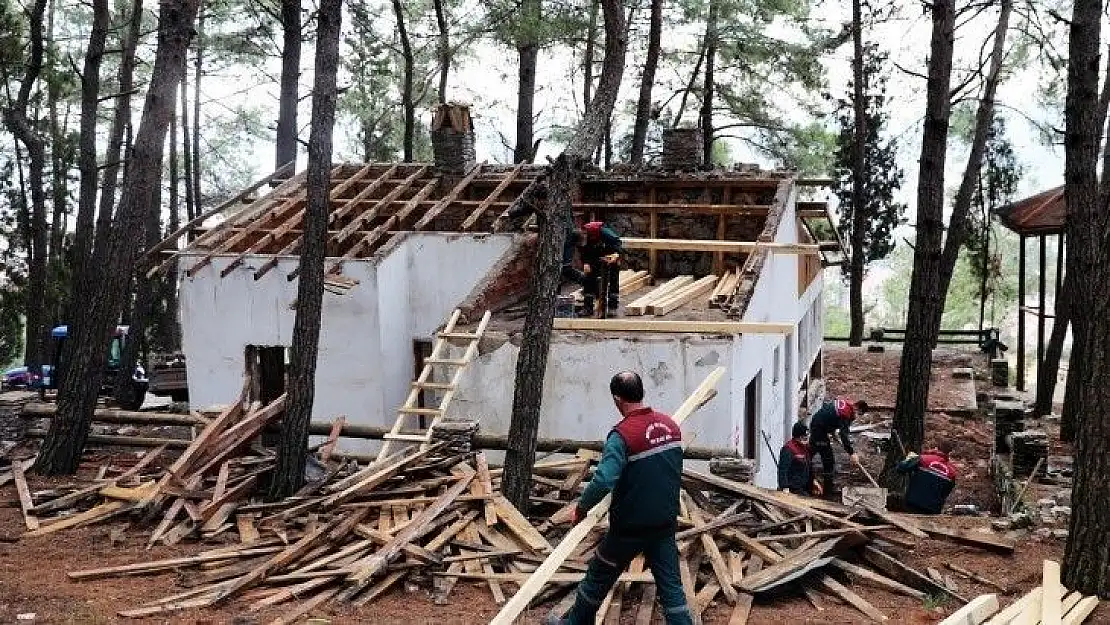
588, 58
290, 77
289, 473
407, 101
1049, 369
925, 296
443, 50
198, 73
23, 130
1087, 555
86, 162
859, 208
191, 210
171, 326
562, 189
61, 450
528, 49
708, 85
647, 81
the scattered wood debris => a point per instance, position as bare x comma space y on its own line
1048, 604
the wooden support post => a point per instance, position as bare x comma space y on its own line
1021, 315
653, 232
1041, 277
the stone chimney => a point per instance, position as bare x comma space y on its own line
682, 149
453, 139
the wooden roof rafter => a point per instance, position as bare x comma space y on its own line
372, 237
474, 216
434, 211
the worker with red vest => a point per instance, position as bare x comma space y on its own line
932, 478
641, 465
833, 416
796, 464
600, 248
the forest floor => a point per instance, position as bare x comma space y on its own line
33, 570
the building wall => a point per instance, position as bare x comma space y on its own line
576, 401
365, 362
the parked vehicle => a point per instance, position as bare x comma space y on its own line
20, 377
167, 376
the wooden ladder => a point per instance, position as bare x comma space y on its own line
438, 358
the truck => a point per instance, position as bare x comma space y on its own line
22, 378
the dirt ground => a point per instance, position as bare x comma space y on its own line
33, 570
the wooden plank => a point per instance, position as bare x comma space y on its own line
743, 609
434, 211
520, 526
556, 578
333, 438
716, 560
488, 508
906, 574
638, 305
769, 497
1014, 609
731, 247
770, 577
377, 562
1053, 594
677, 327
681, 298
905, 524
1081, 611
852, 598
530, 588
370, 477
983, 540
477, 213
975, 612
25, 501
100, 511
296, 613
247, 531
877, 580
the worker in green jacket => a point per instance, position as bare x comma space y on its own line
641, 465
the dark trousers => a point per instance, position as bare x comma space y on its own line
612, 557
824, 449
591, 282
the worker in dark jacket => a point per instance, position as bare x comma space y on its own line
833, 416
641, 464
932, 478
600, 250
796, 464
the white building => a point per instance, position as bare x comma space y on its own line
415, 238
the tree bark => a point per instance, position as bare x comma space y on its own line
407, 101
709, 85
925, 294
290, 77
984, 115
562, 187
528, 49
170, 339
24, 131
114, 156
588, 58
859, 209
198, 72
647, 81
191, 210
61, 450
86, 161
1087, 555
289, 473
1048, 370
443, 50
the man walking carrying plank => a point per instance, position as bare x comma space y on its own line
641, 464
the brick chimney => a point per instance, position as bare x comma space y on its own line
453, 138
682, 149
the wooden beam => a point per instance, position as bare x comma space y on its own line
975, 612
530, 588
681, 297
1014, 609
1081, 611
982, 540
733, 247
1053, 594
639, 305
477, 213
434, 211
372, 237
657, 325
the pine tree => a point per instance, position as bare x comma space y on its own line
878, 213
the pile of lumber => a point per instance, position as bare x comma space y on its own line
725, 289
671, 295
1048, 604
628, 281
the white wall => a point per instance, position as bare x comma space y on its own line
365, 361
576, 401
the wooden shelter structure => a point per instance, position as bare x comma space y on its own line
1042, 217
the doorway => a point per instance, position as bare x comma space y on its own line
751, 415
